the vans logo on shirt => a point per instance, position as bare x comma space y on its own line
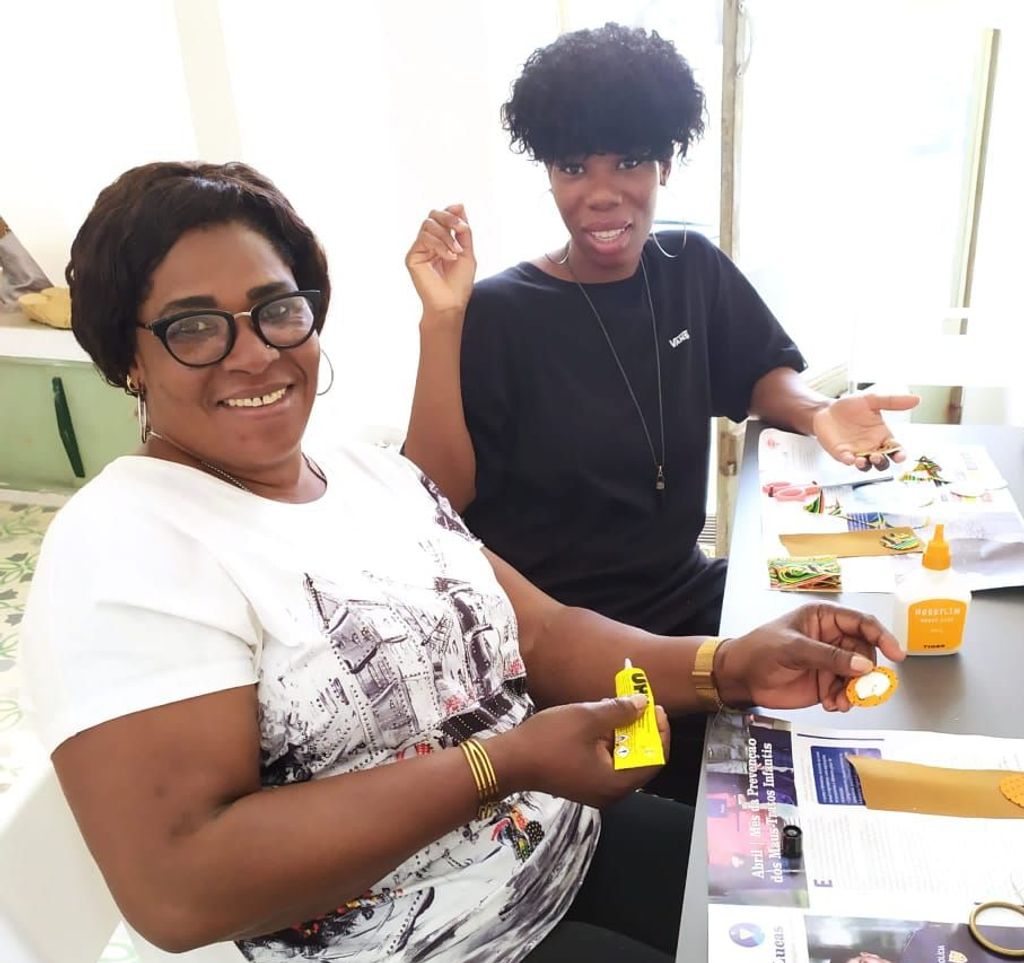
683, 335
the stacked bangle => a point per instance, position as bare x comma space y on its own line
483, 775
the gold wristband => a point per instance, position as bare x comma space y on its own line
703, 675
483, 776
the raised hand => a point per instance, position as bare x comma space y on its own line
441, 262
853, 425
805, 657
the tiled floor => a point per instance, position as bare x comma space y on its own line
23, 522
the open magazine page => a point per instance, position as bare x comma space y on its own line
866, 880
957, 485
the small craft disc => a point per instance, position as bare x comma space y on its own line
873, 688
1012, 787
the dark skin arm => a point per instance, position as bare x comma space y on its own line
844, 427
805, 657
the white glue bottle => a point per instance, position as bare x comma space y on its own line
931, 605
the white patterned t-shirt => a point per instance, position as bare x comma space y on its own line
374, 629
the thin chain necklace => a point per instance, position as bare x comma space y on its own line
226, 476
659, 463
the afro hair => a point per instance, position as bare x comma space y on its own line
614, 90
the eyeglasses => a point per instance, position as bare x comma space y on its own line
202, 338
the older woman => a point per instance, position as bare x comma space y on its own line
291, 700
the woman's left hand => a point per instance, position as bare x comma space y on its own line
854, 424
805, 657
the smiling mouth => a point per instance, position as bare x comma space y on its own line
257, 401
607, 236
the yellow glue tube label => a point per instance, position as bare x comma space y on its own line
639, 743
935, 625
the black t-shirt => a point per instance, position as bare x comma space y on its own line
565, 482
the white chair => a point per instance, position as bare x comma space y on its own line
54, 904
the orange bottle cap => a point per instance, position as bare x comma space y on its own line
936, 555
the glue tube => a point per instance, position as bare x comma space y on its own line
639, 743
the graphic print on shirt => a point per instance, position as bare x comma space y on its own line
405, 669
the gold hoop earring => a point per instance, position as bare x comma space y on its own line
330, 365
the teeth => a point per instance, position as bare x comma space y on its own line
257, 402
608, 235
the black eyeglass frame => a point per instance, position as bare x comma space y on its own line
160, 327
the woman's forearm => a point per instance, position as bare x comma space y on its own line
782, 398
438, 440
195, 851
576, 656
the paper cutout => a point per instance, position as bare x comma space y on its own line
911, 788
858, 544
1012, 787
808, 574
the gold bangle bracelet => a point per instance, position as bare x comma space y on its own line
484, 777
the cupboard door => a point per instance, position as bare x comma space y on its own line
60, 423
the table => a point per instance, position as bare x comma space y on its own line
977, 691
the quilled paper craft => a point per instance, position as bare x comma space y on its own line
889, 447
925, 470
812, 574
820, 506
900, 541
873, 688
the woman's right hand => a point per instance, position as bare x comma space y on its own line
566, 751
441, 262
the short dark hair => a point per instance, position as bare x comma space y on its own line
614, 90
140, 217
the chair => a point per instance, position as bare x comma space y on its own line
54, 904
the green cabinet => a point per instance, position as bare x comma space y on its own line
60, 423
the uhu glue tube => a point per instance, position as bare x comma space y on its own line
639, 743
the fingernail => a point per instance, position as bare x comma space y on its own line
860, 664
458, 247
640, 701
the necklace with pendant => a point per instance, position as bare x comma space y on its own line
659, 462
227, 476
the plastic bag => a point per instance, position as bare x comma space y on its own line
19, 273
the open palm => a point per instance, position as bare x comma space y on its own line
853, 425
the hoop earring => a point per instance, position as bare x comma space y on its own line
657, 244
330, 365
568, 244
141, 412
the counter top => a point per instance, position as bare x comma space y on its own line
21, 338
